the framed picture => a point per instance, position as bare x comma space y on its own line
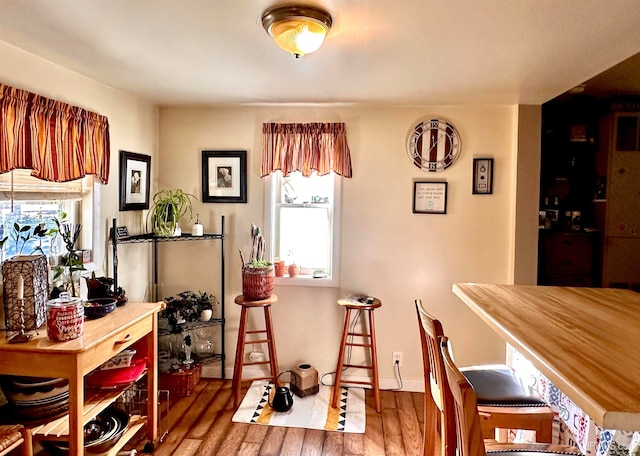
135, 174
224, 176
482, 176
429, 197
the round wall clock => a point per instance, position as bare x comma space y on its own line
433, 144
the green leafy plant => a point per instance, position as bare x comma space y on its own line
70, 262
166, 210
25, 233
187, 306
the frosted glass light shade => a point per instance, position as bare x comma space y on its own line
297, 30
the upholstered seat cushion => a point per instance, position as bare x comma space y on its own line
9, 434
497, 385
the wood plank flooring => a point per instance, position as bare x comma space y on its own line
201, 425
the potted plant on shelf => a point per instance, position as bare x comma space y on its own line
166, 210
257, 274
186, 307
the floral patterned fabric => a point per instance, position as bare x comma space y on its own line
571, 425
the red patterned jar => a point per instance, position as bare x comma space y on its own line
65, 318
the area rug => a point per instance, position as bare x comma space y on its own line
311, 412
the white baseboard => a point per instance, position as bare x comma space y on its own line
386, 383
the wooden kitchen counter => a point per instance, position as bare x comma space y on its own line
73, 359
586, 341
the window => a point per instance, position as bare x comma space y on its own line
36, 201
302, 225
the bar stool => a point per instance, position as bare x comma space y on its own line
242, 341
368, 341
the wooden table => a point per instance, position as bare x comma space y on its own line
73, 359
584, 340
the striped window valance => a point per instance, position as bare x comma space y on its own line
57, 141
320, 147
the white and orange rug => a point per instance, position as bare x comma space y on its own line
311, 412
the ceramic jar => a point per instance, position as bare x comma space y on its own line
294, 269
65, 318
206, 314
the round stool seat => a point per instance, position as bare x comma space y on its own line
247, 336
242, 301
366, 340
360, 303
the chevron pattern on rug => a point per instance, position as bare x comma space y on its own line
311, 412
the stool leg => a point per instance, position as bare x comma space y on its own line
374, 361
237, 367
271, 344
343, 344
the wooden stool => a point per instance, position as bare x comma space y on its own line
353, 304
242, 341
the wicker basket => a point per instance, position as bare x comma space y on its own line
180, 382
257, 283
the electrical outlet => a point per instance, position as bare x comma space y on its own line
256, 356
397, 358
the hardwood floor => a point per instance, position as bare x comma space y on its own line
201, 425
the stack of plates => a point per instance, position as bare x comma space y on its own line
35, 398
100, 434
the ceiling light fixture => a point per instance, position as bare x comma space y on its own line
298, 30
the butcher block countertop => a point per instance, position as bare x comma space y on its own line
584, 340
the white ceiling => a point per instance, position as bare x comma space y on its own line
401, 52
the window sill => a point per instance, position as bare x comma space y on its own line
304, 281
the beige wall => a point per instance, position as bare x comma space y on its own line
527, 178
133, 125
386, 250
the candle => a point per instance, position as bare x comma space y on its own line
20, 287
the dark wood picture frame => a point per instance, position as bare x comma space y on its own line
224, 176
135, 181
429, 197
482, 176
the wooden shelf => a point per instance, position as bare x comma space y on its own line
95, 403
136, 422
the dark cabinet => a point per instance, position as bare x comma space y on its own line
569, 258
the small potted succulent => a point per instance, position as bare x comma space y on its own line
257, 274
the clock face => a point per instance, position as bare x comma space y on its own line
433, 145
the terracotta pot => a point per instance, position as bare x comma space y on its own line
294, 269
257, 283
279, 265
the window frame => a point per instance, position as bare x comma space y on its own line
270, 205
87, 213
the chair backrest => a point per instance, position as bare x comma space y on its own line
435, 378
467, 418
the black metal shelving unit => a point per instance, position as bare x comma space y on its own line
151, 238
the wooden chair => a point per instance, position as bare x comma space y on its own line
504, 402
468, 419
437, 437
